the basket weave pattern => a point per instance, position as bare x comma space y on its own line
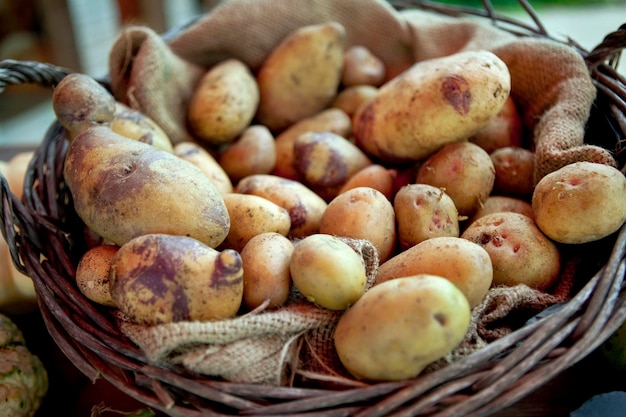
46, 236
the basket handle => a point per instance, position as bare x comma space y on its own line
14, 72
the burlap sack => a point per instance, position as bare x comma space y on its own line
550, 81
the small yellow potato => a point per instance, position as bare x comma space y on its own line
330, 120
327, 271
399, 327
266, 275
157, 278
504, 129
362, 67
500, 203
431, 104
122, 188
580, 202
200, 157
351, 98
224, 103
254, 152
464, 170
251, 215
93, 274
326, 161
136, 125
423, 212
520, 253
304, 206
15, 172
515, 168
80, 102
301, 75
374, 176
362, 213
464, 263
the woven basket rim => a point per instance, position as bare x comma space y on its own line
499, 374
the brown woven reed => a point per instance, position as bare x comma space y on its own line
45, 237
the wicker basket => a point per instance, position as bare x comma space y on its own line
45, 238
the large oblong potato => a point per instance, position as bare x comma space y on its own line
122, 188
224, 103
580, 202
301, 75
433, 103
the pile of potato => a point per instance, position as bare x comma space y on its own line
430, 166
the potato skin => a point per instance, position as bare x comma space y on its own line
301, 75
580, 202
433, 103
122, 188
254, 152
93, 274
136, 125
224, 103
350, 99
362, 213
465, 264
500, 203
362, 67
266, 275
515, 168
200, 157
157, 278
399, 327
502, 130
374, 176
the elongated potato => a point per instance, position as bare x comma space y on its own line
362, 67
301, 75
251, 215
464, 263
200, 157
157, 278
224, 103
304, 206
431, 104
122, 188
254, 152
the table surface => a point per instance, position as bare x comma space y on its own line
75, 395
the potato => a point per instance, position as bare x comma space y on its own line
464, 170
251, 215
362, 213
520, 253
504, 129
80, 102
266, 275
200, 157
304, 206
580, 202
327, 271
515, 169
466, 264
136, 125
423, 212
122, 188
431, 104
373, 176
17, 290
301, 75
158, 278
399, 327
224, 103
254, 152
500, 203
329, 120
93, 274
362, 67
15, 171
351, 98
326, 161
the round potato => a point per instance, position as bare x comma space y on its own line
399, 327
200, 157
423, 212
266, 276
93, 274
373, 176
520, 253
502, 130
464, 263
362, 67
362, 213
580, 202
500, 203
327, 271
464, 170
254, 152
351, 98
251, 215
515, 169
